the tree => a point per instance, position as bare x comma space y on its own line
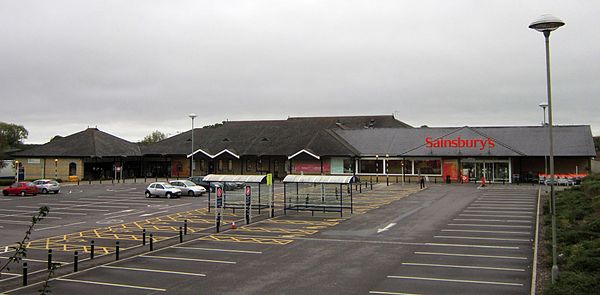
153, 137
11, 135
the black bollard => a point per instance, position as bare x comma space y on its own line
151, 243
92, 250
387, 181
24, 273
75, 261
143, 237
371, 185
49, 259
185, 227
180, 235
117, 250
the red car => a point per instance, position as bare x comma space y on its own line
20, 188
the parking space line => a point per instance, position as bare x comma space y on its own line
36, 260
112, 284
516, 213
455, 281
472, 246
57, 226
219, 250
463, 266
68, 208
489, 225
512, 208
482, 238
487, 231
14, 222
472, 255
390, 293
154, 270
491, 215
492, 220
188, 259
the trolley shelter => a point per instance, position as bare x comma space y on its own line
235, 190
317, 193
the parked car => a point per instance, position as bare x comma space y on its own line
20, 188
199, 181
46, 186
560, 181
188, 187
162, 189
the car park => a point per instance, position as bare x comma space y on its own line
162, 189
188, 187
20, 188
46, 186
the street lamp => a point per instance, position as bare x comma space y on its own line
55, 169
544, 105
387, 166
546, 24
17, 171
377, 168
192, 165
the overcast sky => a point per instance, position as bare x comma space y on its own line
131, 67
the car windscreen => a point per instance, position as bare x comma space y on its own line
168, 186
189, 183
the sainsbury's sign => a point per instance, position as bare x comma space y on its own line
458, 142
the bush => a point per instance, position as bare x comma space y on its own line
574, 283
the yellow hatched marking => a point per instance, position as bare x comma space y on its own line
278, 230
246, 239
301, 222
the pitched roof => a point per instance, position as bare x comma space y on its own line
509, 141
87, 143
272, 137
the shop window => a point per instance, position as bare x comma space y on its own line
220, 165
248, 165
371, 166
429, 166
72, 169
258, 165
348, 165
230, 165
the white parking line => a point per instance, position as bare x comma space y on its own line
489, 225
390, 293
516, 208
491, 215
36, 260
219, 250
112, 284
492, 220
504, 202
517, 213
487, 231
9, 274
472, 255
155, 270
455, 281
482, 238
463, 266
188, 259
14, 222
472, 246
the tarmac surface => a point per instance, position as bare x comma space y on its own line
446, 239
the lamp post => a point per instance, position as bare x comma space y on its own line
55, 169
17, 171
377, 168
544, 105
546, 24
192, 164
387, 166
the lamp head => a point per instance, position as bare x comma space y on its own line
192, 116
543, 105
546, 23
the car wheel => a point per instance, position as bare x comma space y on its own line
169, 195
148, 194
44, 191
5, 193
191, 193
56, 192
23, 193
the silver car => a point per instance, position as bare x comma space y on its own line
188, 188
162, 189
46, 186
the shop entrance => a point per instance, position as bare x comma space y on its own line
494, 170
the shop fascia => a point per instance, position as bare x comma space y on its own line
459, 142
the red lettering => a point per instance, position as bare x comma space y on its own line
491, 143
460, 143
428, 142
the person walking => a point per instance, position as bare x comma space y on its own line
422, 181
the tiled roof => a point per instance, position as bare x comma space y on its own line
87, 143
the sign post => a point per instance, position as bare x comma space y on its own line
248, 204
271, 195
218, 207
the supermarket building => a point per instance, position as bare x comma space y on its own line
368, 146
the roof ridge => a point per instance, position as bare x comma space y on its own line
496, 140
